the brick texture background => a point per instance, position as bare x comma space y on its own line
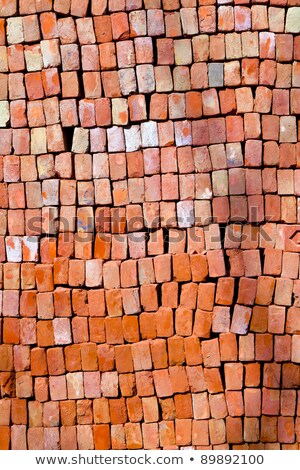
149, 202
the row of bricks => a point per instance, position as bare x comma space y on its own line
176, 265
107, 358
181, 349
103, 111
241, 264
166, 187
105, 246
154, 22
116, 246
216, 434
152, 215
148, 325
84, 245
195, 378
115, 330
182, 406
270, 319
62, 302
168, 161
200, 406
98, 232
114, 302
195, 240
95, 302
203, 324
181, 105
173, 240
168, 379
179, 266
151, 134
261, 319
151, 161
121, 112
79, 385
100, 176
127, 54
143, 50
35, 222
189, 104
148, 79
136, 217
167, 5
168, 51
98, 7
101, 7
14, 248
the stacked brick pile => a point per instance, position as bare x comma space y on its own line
149, 202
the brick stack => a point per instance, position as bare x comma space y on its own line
149, 202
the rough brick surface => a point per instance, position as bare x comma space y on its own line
149, 224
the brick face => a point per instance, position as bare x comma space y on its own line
149, 224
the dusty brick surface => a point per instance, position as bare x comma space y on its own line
149, 224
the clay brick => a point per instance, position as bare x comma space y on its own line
149, 309
264, 347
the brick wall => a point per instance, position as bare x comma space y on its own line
149, 202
